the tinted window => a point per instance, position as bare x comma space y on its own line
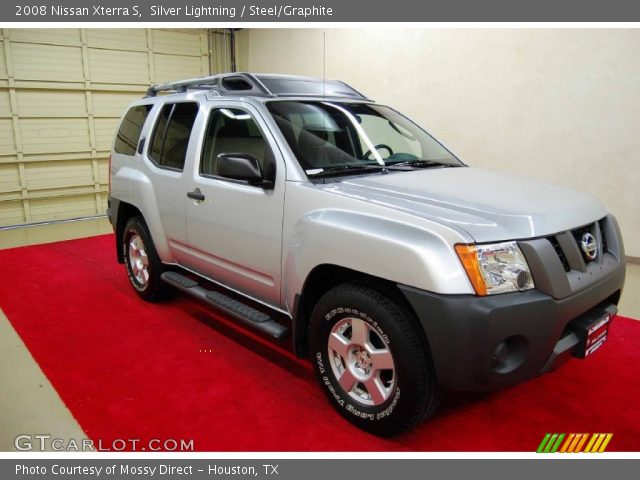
155, 147
171, 135
129, 133
231, 130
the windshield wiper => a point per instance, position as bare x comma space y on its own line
422, 164
343, 170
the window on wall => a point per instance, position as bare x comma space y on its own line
232, 130
128, 134
171, 135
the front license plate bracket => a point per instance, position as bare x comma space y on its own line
593, 330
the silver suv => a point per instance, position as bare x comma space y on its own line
308, 212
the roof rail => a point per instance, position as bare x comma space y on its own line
263, 85
244, 83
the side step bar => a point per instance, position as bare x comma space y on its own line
241, 311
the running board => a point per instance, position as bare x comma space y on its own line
240, 311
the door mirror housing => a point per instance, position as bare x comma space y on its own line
243, 167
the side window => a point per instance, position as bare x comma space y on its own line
231, 130
157, 138
170, 138
128, 134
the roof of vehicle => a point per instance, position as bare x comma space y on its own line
240, 84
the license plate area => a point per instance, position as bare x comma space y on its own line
593, 331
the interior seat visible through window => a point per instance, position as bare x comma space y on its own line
232, 130
321, 146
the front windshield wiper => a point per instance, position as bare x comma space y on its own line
422, 164
343, 170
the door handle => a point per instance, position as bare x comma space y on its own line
196, 195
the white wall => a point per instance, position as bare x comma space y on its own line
561, 105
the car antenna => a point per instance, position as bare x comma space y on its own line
324, 63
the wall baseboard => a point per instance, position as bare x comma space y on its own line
635, 260
51, 222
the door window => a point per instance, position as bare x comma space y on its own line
232, 130
170, 138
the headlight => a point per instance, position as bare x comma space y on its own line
497, 268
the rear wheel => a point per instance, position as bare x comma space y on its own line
141, 260
372, 360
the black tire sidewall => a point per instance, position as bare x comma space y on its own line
406, 404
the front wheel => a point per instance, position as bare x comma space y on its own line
372, 361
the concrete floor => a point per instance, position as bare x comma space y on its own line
28, 402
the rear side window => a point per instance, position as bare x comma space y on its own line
128, 134
171, 134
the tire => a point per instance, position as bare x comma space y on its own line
354, 372
141, 260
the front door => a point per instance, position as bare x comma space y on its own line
234, 229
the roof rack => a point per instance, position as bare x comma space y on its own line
225, 82
264, 85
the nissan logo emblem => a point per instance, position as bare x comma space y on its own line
589, 246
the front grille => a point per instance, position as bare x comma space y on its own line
560, 253
603, 235
558, 264
574, 237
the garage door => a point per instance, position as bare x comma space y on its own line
62, 92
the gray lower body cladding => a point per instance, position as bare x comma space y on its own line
464, 331
112, 210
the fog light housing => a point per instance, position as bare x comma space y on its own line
509, 354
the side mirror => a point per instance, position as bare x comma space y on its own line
244, 167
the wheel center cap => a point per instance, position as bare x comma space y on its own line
363, 360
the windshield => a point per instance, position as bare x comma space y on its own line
336, 135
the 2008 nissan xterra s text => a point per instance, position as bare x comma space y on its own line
299, 207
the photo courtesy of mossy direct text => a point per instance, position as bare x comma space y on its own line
162, 469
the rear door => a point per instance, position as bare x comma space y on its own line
168, 147
235, 231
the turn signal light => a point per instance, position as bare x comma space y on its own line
469, 258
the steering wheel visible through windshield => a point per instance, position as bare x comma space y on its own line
336, 136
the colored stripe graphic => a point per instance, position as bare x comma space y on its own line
543, 443
550, 443
592, 440
567, 442
574, 443
554, 449
583, 440
578, 437
596, 446
608, 438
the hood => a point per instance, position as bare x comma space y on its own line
489, 206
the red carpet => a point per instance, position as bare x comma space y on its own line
128, 369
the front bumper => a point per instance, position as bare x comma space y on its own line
463, 331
